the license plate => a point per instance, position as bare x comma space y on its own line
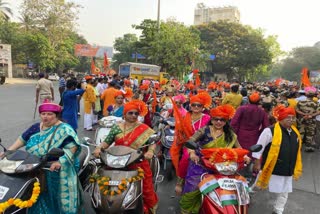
3, 191
114, 183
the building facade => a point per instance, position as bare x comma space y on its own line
204, 14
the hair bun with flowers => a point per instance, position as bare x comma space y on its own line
137, 105
225, 111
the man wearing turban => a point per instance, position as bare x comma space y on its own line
280, 158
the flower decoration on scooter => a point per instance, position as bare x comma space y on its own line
220, 158
20, 203
104, 183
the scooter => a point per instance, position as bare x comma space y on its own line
117, 189
105, 125
20, 173
167, 126
223, 190
20, 170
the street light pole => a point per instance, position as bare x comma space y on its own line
158, 19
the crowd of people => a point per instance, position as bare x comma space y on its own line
279, 116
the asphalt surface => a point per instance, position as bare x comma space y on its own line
17, 104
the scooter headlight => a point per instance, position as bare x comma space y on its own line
227, 168
117, 161
130, 196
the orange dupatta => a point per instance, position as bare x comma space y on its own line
183, 131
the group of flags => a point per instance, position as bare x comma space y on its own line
106, 64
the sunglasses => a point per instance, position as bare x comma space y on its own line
196, 105
133, 113
219, 119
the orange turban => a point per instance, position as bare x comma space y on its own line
204, 98
118, 93
138, 105
281, 112
128, 93
219, 155
127, 82
254, 97
88, 77
144, 87
225, 111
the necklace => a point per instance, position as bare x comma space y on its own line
124, 132
215, 133
193, 123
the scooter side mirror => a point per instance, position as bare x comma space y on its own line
55, 153
87, 141
153, 139
191, 145
255, 148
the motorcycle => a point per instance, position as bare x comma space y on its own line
20, 170
105, 125
166, 127
223, 189
117, 189
20, 175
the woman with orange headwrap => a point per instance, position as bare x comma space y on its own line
117, 108
186, 126
281, 156
216, 135
134, 134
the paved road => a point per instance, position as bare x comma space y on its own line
17, 107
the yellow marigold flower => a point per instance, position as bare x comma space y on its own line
106, 183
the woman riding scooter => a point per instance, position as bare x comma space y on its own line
62, 192
134, 134
216, 135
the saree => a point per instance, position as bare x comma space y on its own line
184, 162
191, 198
117, 112
136, 137
62, 193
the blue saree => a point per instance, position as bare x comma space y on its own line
62, 193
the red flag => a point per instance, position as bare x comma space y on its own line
105, 61
93, 67
305, 79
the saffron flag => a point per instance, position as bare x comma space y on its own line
181, 135
105, 61
93, 67
305, 79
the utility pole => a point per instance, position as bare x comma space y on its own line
158, 19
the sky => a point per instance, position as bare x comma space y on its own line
102, 21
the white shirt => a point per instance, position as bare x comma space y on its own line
100, 88
277, 183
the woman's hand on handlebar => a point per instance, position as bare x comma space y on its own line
97, 152
195, 158
247, 160
148, 155
55, 166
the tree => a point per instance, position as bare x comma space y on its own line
55, 20
172, 47
5, 11
239, 50
290, 67
125, 47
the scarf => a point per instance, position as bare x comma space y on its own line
272, 158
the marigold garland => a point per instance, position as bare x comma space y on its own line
103, 182
20, 203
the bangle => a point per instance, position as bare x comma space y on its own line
151, 150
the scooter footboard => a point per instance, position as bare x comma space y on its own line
114, 197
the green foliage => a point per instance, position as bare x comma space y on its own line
125, 47
290, 67
171, 47
240, 50
5, 11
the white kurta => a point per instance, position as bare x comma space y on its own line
277, 183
